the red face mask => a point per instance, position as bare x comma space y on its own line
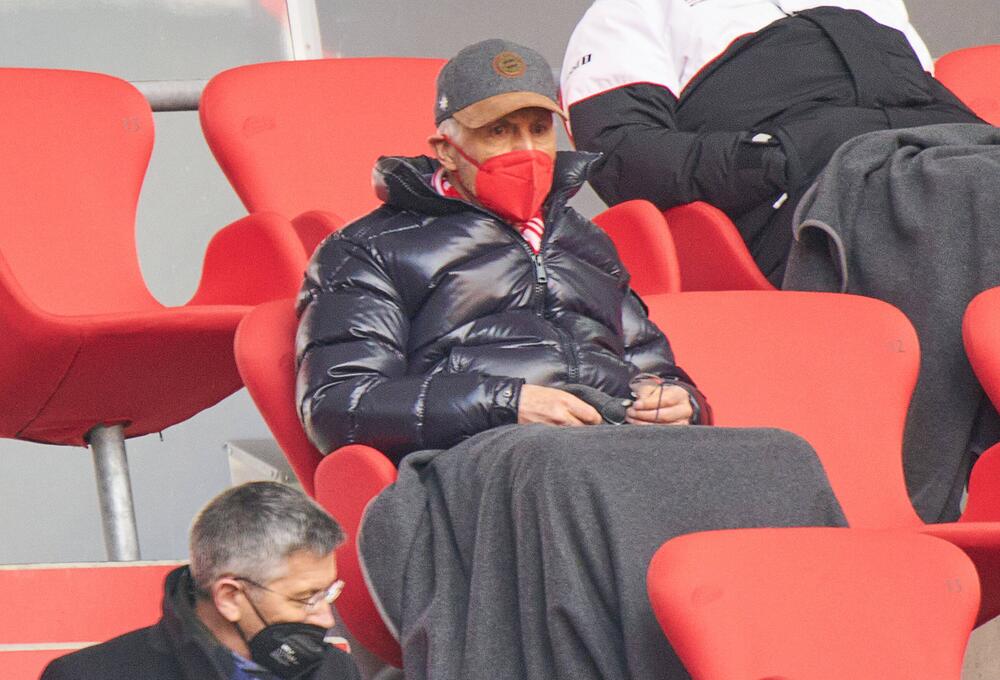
514, 184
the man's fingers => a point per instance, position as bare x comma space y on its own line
562, 415
569, 411
669, 396
634, 421
582, 412
678, 412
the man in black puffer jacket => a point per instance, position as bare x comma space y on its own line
444, 313
468, 328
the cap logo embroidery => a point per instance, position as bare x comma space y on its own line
443, 102
509, 65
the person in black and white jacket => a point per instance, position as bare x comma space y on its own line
741, 103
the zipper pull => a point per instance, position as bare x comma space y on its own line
540, 275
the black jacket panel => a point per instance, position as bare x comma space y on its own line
420, 322
139, 655
811, 81
179, 647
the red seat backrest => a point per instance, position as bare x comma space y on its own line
644, 244
815, 604
304, 135
836, 369
971, 73
75, 149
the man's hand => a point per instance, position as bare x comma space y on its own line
554, 407
666, 405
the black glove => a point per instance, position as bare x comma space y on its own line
612, 409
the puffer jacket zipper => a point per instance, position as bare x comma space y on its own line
570, 355
541, 282
566, 344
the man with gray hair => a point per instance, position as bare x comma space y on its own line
254, 604
483, 334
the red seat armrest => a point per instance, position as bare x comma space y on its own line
314, 226
346, 480
253, 260
983, 504
710, 250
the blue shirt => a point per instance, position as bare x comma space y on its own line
248, 670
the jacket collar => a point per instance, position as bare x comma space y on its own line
404, 183
191, 643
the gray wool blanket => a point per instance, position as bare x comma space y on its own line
912, 217
521, 554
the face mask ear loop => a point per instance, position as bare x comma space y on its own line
256, 611
453, 177
243, 636
461, 151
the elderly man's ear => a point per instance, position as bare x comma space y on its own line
444, 152
225, 593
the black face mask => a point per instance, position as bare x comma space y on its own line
289, 650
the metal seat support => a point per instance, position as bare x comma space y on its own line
114, 491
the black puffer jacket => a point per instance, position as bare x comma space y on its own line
420, 322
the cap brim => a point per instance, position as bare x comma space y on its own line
499, 105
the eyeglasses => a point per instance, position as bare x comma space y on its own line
646, 383
310, 604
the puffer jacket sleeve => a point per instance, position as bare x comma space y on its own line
646, 155
647, 349
353, 381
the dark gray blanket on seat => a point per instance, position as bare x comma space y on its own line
912, 217
521, 554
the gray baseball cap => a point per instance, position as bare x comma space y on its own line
489, 79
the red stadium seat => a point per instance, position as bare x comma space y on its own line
298, 136
815, 604
644, 244
971, 73
837, 370
801, 361
981, 336
53, 610
88, 354
711, 252
342, 482
764, 358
